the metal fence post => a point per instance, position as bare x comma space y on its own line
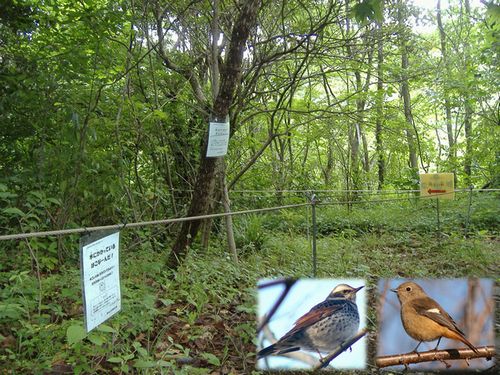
467, 220
314, 230
438, 221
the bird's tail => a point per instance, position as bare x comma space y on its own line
462, 338
272, 349
466, 342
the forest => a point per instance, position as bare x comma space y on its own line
335, 107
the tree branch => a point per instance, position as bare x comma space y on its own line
487, 352
330, 357
252, 160
288, 283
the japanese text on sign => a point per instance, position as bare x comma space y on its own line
101, 280
437, 185
218, 139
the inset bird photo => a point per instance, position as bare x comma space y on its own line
439, 324
311, 324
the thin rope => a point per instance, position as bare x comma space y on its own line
192, 218
365, 191
142, 223
427, 197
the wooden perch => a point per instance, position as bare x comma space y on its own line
330, 357
311, 360
487, 352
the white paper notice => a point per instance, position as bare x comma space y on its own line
218, 139
101, 280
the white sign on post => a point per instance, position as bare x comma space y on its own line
101, 279
218, 139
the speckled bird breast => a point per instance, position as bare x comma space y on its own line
328, 333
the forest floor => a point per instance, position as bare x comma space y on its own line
202, 318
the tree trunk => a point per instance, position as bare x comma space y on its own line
357, 138
214, 57
380, 109
452, 152
468, 142
405, 93
230, 78
353, 131
231, 245
467, 104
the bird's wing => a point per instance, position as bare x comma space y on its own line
317, 313
431, 309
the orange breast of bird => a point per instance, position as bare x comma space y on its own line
420, 327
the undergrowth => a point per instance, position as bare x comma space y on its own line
201, 318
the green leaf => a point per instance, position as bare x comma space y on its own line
166, 302
55, 201
106, 328
377, 10
367, 10
493, 11
143, 352
12, 311
13, 211
160, 114
115, 360
75, 333
128, 356
247, 309
37, 194
211, 359
163, 363
7, 194
96, 339
142, 363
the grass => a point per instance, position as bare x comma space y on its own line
202, 318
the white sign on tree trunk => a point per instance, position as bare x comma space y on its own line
218, 139
101, 279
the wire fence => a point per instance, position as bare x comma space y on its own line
312, 197
142, 223
312, 201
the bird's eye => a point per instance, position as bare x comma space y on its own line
408, 288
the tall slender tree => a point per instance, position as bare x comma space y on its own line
452, 151
467, 93
405, 90
380, 105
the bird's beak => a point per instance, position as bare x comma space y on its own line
394, 290
358, 289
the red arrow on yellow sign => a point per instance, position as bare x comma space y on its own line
430, 191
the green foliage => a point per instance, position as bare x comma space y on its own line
75, 334
205, 311
249, 233
11, 312
366, 10
98, 126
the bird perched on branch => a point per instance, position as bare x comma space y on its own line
424, 319
324, 327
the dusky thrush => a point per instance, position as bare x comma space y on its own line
324, 327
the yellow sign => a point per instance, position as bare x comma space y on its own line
437, 185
